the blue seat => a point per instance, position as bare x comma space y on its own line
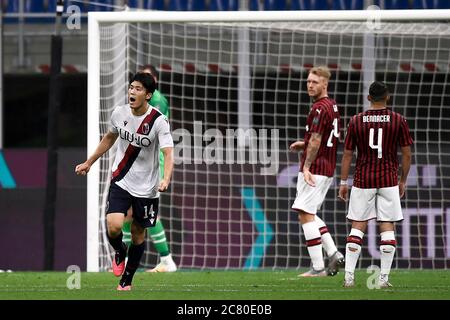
393, 4
183, 5
275, 5
154, 4
255, 5
197, 5
443, 4
348, 5
308, 5
40, 6
224, 5
44, 6
431, 4
108, 6
289, 5
11, 6
37, 6
132, 4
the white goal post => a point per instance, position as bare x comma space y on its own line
252, 60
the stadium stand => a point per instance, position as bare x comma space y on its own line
431, 4
38, 15
347, 5
308, 5
10, 6
48, 6
393, 4
224, 5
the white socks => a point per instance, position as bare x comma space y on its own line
327, 240
387, 251
352, 250
314, 244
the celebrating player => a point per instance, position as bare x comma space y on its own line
157, 232
376, 192
317, 167
143, 131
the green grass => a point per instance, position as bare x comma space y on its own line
224, 285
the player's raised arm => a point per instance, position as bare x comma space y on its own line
406, 164
168, 168
105, 144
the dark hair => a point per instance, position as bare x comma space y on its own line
378, 91
151, 69
147, 81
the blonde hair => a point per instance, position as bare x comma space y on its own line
321, 71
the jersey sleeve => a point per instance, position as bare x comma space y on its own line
405, 135
113, 122
320, 119
163, 132
350, 143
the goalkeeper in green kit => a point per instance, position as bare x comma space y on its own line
157, 232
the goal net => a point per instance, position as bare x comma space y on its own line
236, 85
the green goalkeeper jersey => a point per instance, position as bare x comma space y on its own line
160, 102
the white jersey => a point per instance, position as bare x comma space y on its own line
136, 166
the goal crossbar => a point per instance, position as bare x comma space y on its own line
254, 16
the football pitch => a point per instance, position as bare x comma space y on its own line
223, 285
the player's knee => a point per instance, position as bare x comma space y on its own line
114, 231
137, 239
114, 227
304, 217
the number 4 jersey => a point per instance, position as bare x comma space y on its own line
323, 119
377, 134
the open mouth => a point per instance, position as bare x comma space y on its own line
132, 99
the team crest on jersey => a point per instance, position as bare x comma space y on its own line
315, 120
145, 128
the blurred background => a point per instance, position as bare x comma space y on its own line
27, 26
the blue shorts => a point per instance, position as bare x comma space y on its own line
145, 210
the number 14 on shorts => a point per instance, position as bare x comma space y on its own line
150, 215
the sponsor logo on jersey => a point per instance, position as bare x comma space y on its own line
134, 138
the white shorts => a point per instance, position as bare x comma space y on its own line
310, 199
382, 204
